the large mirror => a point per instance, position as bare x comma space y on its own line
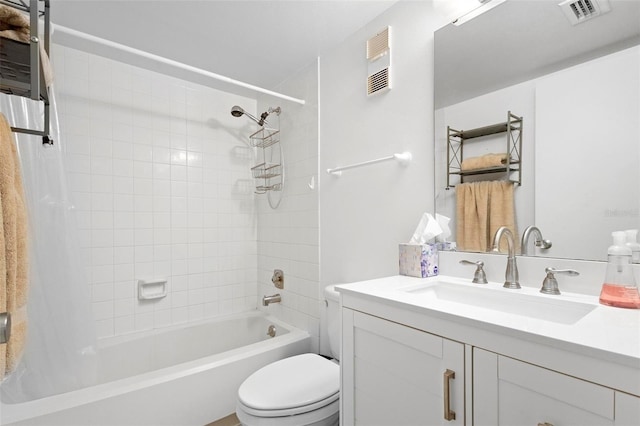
577, 89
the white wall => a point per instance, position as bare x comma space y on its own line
366, 212
160, 177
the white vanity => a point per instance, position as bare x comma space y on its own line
442, 350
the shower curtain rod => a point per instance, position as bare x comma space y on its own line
161, 59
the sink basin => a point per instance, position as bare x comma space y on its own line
515, 302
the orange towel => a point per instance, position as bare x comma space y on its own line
13, 249
484, 162
482, 208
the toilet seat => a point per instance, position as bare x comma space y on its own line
291, 386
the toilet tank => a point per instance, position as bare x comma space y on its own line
332, 298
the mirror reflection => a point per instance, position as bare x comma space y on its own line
575, 85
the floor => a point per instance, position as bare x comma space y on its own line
230, 420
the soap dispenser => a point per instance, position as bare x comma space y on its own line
632, 243
619, 288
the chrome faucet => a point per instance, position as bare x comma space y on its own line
267, 300
511, 274
539, 241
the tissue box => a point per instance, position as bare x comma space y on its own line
418, 260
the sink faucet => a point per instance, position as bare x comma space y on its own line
539, 241
511, 274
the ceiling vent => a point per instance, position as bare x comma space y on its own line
379, 62
579, 11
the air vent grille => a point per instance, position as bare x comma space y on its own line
379, 44
578, 11
378, 82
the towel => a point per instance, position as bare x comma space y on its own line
13, 249
15, 26
482, 208
484, 161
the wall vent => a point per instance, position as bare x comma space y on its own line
378, 82
579, 11
379, 62
379, 44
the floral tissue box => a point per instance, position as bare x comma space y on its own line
418, 260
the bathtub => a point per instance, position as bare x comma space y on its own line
185, 375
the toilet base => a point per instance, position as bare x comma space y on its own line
325, 416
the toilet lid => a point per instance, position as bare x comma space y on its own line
297, 381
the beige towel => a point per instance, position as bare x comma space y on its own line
482, 208
13, 249
15, 26
484, 161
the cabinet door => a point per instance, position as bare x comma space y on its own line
510, 392
396, 375
627, 410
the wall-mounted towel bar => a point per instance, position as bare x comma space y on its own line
403, 158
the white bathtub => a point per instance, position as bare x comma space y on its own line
179, 376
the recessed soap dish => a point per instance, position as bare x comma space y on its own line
152, 289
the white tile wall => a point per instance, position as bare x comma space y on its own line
158, 171
288, 236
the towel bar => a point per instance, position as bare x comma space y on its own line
404, 158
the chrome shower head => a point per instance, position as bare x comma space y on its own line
237, 111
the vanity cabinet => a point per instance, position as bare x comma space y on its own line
393, 374
509, 392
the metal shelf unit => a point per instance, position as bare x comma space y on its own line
268, 172
21, 71
456, 140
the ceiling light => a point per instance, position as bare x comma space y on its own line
486, 6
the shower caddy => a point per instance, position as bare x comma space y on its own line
269, 170
456, 139
20, 63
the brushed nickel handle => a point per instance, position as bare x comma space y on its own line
545, 424
5, 327
449, 414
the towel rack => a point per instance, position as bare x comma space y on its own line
403, 158
21, 72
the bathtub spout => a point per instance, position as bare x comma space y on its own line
267, 300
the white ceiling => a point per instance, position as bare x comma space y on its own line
260, 42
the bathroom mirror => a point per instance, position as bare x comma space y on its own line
577, 88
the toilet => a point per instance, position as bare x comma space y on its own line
302, 390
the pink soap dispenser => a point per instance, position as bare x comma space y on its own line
619, 288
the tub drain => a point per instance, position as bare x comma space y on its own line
271, 331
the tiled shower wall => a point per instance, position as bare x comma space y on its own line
161, 181
288, 237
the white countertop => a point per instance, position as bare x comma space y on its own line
606, 333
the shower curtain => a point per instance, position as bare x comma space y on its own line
59, 350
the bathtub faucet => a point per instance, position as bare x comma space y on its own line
267, 300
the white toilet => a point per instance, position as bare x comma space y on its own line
302, 390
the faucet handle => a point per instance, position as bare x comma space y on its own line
479, 276
550, 284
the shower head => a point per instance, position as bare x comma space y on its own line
237, 111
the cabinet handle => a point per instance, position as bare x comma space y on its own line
449, 414
545, 424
